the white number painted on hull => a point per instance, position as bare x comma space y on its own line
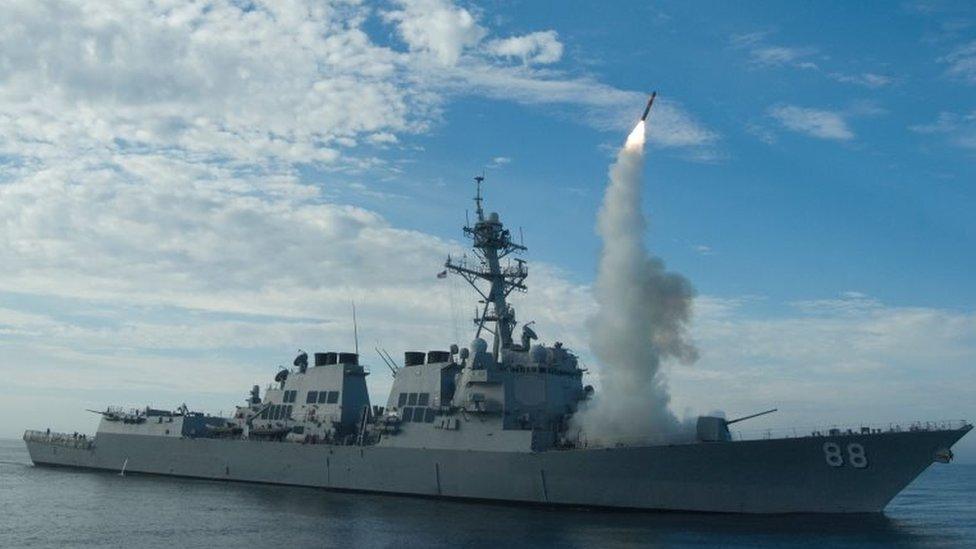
855, 455
832, 454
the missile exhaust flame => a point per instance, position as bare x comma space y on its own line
635, 141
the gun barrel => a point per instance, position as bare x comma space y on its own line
750, 417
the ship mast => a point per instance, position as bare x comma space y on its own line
492, 243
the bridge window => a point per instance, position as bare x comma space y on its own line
412, 399
264, 413
311, 397
407, 414
333, 397
403, 400
287, 412
423, 399
429, 415
322, 396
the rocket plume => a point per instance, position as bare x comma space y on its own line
635, 141
641, 320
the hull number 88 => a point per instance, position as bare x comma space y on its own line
856, 457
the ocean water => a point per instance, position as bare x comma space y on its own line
63, 508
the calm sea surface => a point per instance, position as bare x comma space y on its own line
64, 508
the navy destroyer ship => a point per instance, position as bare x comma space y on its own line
491, 422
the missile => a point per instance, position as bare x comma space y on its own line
648, 108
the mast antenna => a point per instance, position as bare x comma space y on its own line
355, 327
492, 243
477, 197
389, 361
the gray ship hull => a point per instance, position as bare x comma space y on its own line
761, 476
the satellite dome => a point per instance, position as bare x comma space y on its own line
479, 346
539, 353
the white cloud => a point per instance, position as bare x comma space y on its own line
763, 54
822, 124
748, 39
437, 27
779, 55
290, 82
867, 79
962, 62
499, 161
469, 66
604, 107
534, 48
848, 303
946, 122
284, 81
959, 128
761, 132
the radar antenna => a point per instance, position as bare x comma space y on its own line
492, 242
479, 179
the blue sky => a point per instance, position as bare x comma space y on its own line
887, 211
192, 192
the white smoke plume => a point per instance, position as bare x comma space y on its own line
641, 321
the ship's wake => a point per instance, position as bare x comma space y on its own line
641, 321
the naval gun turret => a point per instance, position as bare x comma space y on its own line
716, 429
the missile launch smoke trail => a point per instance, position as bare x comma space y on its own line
642, 317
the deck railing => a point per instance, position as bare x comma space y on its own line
687, 436
68, 440
850, 429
